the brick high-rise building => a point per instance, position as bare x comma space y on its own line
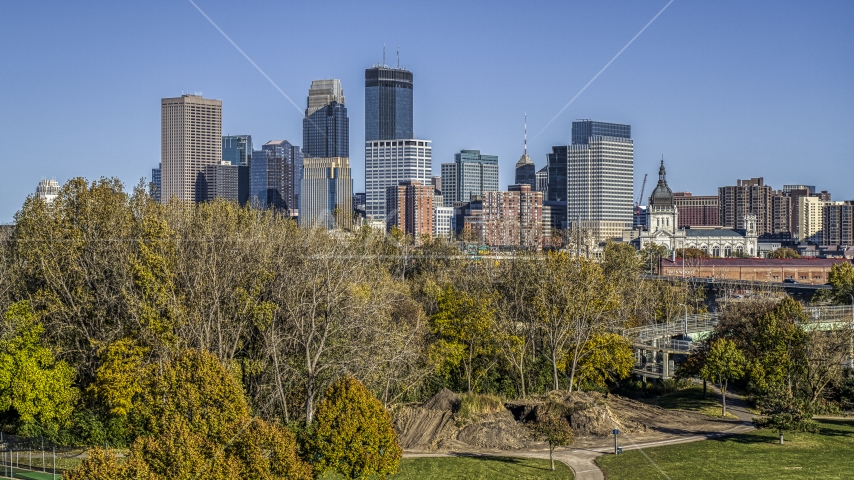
747, 196
513, 219
697, 210
190, 140
781, 213
838, 223
409, 207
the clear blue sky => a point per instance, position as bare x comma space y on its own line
723, 89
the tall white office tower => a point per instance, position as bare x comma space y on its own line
389, 162
190, 140
600, 178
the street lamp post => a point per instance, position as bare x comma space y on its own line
686, 317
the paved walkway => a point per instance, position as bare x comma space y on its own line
581, 461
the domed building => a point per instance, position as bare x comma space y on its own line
663, 228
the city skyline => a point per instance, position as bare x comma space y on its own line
654, 86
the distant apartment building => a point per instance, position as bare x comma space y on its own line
838, 223
155, 186
471, 174
237, 149
512, 219
191, 139
811, 218
442, 221
326, 193
696, 210
47, 190
781, 213
409, 207
747, 196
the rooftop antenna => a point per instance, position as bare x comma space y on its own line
384, 55
398, 55
526, 134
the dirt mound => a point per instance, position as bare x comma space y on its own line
436, 425
423, 429
496, 431
445, 400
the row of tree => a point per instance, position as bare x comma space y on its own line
102, 287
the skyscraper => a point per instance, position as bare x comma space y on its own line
747, 196
556, 168
392, 154
155, 186
326, 197
223, 181
388, 103
409, 207
326, 127
191, 139
47, 190
599, 178
526, 172
389, 162
237, 149
274, 175
471, 174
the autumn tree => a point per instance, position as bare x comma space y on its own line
691, 252
352, 434
197, 425
784, 412
607, 357
33, 382
841, 280
769, 335
784, 252
463, 326
553, 427
574, 302
724, 362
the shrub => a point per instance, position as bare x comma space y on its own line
472, 404
352, 433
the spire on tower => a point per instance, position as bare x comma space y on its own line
526, 133
383, 54
398, 56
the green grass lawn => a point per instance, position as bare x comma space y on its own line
686, 399
447, 468
825, 455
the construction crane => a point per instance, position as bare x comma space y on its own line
640, 197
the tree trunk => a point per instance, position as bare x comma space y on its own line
551, 457
309, 399
723, 399
572, 374
554, 370
704, 389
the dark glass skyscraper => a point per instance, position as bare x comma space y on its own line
326, 127
582, 130
557, 164
388, 104
274, 175
237, 149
